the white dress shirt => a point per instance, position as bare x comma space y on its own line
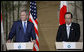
68, 29
23, 23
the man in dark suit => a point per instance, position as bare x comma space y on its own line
22, 29
69, 32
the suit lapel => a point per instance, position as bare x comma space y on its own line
65, 32
71, 29
70, 34
27, 26
21, 26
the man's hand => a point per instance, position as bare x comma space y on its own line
33, 41
9, 41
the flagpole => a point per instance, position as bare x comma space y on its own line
2, 36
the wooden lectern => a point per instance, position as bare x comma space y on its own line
68, 46
27, 46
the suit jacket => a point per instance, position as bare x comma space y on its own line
18, 31
74, 34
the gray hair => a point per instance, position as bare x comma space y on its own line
25, 11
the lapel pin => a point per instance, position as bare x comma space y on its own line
71, 29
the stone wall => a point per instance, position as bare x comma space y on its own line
76, 7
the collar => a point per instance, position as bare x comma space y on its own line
25, 21
69, 24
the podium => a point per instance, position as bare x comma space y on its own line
68, 46
27, 46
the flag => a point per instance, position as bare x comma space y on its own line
63, 10
33, 19
2, 32
3, 46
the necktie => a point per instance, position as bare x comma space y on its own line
24, 27
68, 31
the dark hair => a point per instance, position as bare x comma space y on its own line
68, 13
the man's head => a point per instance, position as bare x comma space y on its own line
68, 17
23, 15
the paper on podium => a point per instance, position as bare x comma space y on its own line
20, 46
69, 45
